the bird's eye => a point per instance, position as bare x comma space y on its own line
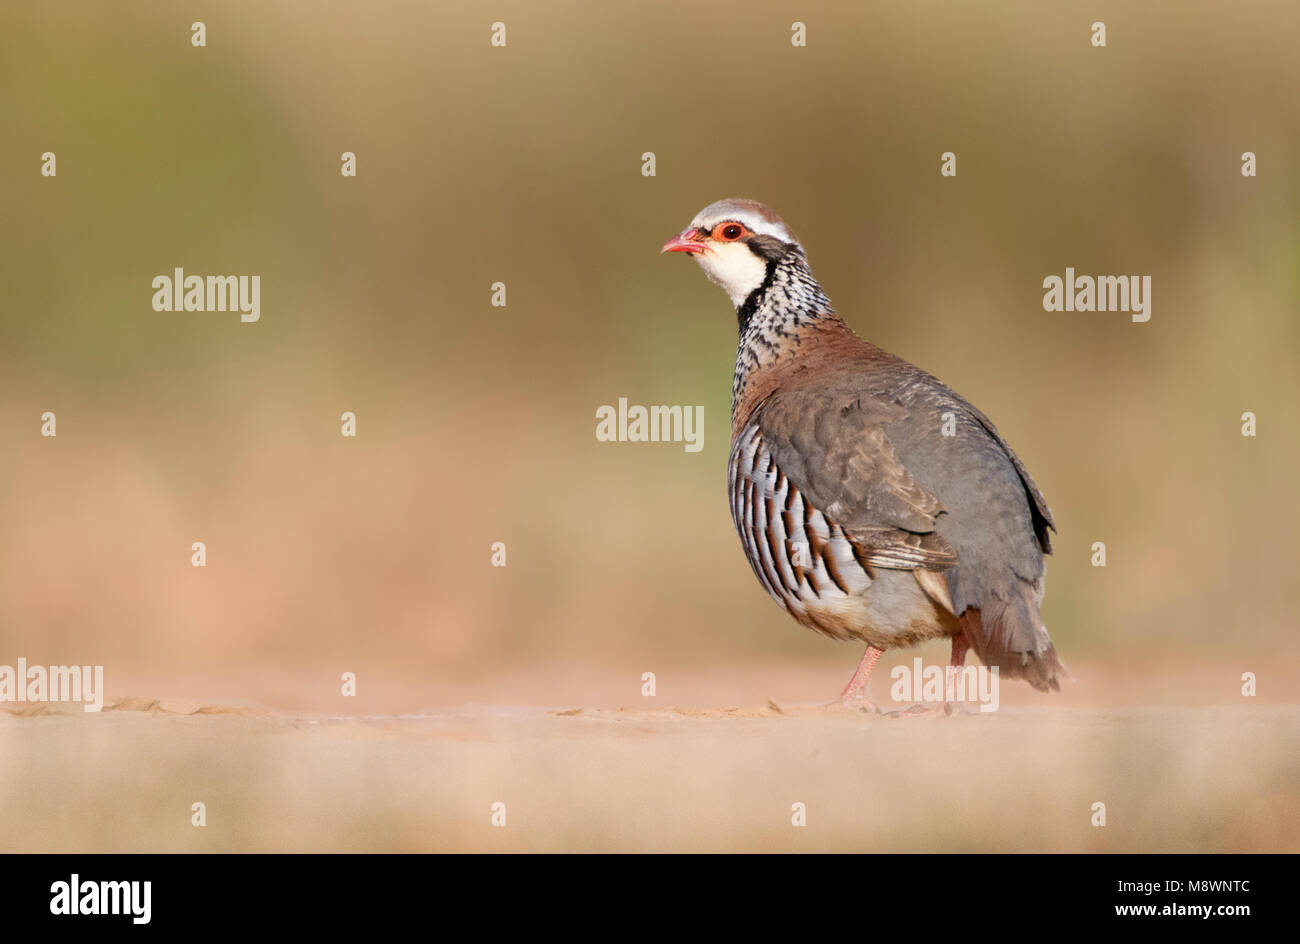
728, 232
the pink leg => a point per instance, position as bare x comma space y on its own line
959, 649
855, 693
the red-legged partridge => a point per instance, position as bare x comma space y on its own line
872, 501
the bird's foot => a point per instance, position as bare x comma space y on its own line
948, 709
858, 703
913, 711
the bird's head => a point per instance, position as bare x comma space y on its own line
735, 242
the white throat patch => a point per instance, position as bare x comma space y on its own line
733, 267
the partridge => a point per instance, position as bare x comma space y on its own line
873, 502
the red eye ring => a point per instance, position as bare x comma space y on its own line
729, 231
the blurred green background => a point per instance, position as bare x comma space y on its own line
476, 424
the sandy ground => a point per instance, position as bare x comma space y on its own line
1212, 778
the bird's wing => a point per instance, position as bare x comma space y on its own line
1042, 515
834, 449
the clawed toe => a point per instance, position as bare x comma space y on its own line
912, 711
859, 704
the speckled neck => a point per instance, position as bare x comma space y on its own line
788, 300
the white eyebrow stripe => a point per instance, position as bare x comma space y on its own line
752, 223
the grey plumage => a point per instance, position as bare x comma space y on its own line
855, 510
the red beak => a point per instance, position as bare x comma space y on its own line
688, 240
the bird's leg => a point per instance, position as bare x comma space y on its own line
855, 693
959, 647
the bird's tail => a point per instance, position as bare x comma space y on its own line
1009, 633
